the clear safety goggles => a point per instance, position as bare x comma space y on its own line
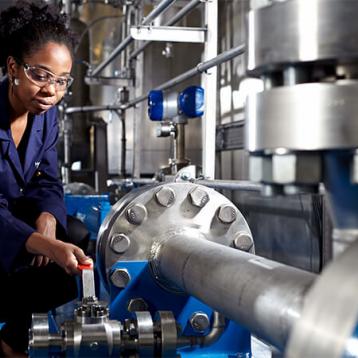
42, 78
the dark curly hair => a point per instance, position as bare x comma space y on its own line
28, 25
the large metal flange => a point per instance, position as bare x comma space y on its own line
304, 31
281, 117
145, 222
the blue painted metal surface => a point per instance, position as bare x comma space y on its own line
342, 194
191, 101
90, 209
234, 342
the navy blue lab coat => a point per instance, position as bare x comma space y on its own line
36, 183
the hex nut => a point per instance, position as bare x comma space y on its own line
243, 241
226, 214
137, 305
296, 168
120, 278
165, 196
199, 197
199, 321
120, 243
260, 168
136, 214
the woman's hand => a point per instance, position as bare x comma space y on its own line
66, 255
45, 225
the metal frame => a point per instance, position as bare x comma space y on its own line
168, 33
210, 85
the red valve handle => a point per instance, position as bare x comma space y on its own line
85, 267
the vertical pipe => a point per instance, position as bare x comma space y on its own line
180, 143
138, 112
124, 144
210, 85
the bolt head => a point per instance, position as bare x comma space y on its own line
137, 305
243, 241
199, 197
94, 346
165, 196
136, 214
120, 243
199, 321
120, 278
226, 214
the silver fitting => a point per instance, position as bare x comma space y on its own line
199, 197
199, 321
136, 214
165, 196
226, 214
120, 278
120, 243
243, 242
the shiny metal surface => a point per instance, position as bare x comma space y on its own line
230, 184
164, 222
168, 333
312, 116
39, 334
330, 311
263, 295
302, 31
145, 333
88, 283
199, 321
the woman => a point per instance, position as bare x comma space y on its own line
35, 267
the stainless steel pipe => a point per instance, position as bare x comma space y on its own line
230, 184
263, 295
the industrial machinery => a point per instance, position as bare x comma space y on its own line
173, 111
302, 131
177, 259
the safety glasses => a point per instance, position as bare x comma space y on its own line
42, 78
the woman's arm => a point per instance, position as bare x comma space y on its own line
66, 255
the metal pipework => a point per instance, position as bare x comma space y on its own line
84, 109
218, 184
263, 295
129, 39
198, 69
184, 11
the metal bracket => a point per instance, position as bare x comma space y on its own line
169, 33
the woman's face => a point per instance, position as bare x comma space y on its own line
31, 92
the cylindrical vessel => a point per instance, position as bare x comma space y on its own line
263, 295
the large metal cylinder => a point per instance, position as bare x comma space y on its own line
263, 295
